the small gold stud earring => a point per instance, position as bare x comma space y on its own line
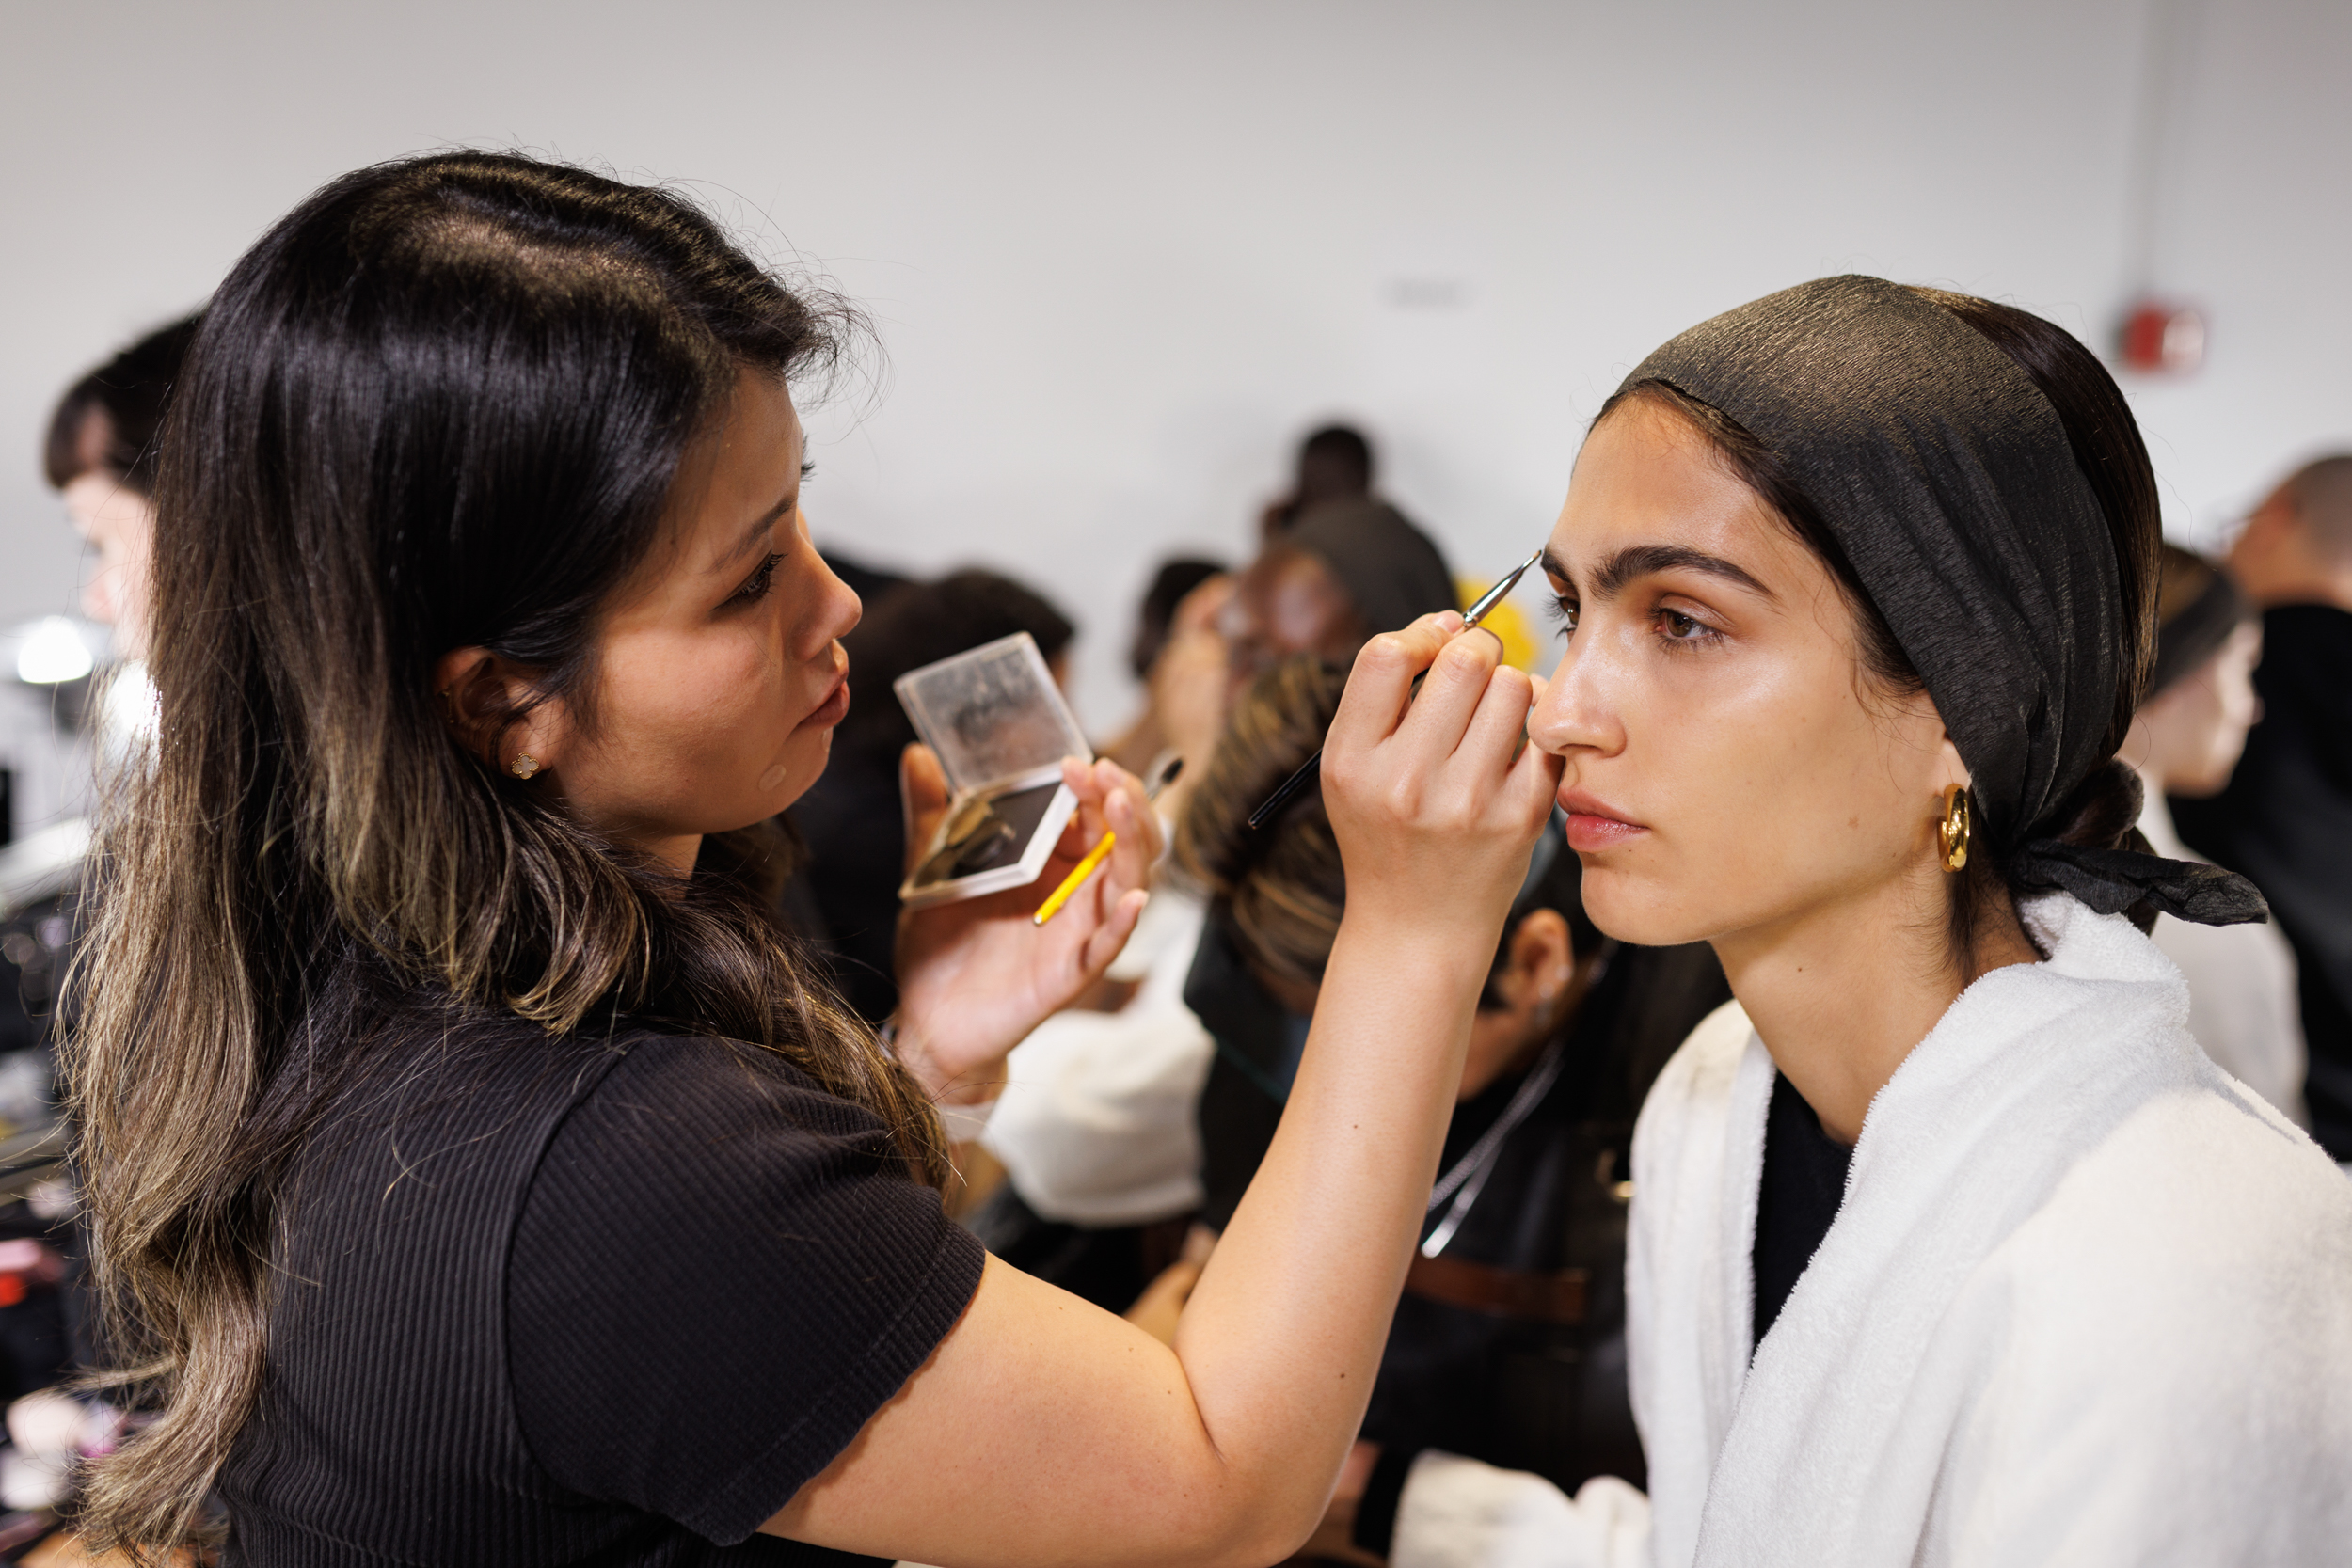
524, 765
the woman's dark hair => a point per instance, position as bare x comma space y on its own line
1278, 890
440, 405
2104, 810
108, 420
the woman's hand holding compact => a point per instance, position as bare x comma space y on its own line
975, 975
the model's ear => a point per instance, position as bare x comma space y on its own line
1949, 770
488, 703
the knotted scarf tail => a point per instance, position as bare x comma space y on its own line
2112, 880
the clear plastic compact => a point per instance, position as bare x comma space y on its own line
1000, 729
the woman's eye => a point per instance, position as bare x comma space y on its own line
1683, 628
756, 585
1563, 612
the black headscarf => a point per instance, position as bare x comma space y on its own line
1948, 478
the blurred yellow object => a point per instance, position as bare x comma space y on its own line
1505, 620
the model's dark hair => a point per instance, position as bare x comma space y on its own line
440, 405
108, 420
2103, 810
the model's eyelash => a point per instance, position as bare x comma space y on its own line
1561, 611
756, 585
808, 469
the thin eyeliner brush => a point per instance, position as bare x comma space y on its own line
1308, 769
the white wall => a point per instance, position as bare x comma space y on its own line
1122, 255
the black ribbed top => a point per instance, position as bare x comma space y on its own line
580, 1302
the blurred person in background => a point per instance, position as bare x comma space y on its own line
99, 456
1175, 634
851, 828
1508, 1345
1172, 583
1334, 463
2185, 740
1345, 571
2286, 818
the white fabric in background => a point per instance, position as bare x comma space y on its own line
2087, 1301
1096, 1124
2242, 1002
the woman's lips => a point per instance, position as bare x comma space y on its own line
1595, 825
830, 712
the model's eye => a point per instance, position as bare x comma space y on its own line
1563, 611
1681, 627
756, 585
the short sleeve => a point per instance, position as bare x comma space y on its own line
719, 1273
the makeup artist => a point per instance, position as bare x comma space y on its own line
481, 1175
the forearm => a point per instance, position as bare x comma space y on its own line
1283, 1336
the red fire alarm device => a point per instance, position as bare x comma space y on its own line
2162, 338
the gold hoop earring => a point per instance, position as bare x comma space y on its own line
1951, 831
524, 765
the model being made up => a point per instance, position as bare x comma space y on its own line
1949, 1246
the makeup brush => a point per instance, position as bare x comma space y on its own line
1308, 769
1161, 778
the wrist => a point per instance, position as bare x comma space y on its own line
1416, 946
943, 1084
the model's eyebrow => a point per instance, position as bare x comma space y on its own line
757, 533
1641, 561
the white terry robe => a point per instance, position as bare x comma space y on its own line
2088, 1300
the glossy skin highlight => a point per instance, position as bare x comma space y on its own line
1734, 775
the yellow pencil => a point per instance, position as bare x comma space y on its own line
1078, 874
1163, 776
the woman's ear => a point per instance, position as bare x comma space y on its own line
488, 702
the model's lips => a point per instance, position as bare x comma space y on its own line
834, 708
1594, 824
